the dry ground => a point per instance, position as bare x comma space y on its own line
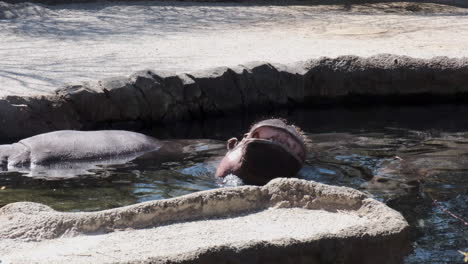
44, 48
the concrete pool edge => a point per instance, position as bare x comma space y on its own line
460, 3
375, 233
158, 97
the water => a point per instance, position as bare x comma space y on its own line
149, 177
412, 158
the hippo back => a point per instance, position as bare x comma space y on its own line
68, 145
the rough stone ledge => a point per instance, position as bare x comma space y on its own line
150, 97
345, 225
461, 3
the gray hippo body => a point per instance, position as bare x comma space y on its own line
75, 146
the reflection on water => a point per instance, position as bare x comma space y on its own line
414, 159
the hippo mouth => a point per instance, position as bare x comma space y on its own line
285, 137
269, 150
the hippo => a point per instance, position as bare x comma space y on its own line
75, 149
270, 149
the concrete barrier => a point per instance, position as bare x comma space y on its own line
151, 97
285, 221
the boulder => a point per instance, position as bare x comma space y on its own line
285, 221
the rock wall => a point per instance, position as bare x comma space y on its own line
149, 97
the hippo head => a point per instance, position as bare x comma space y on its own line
269, 150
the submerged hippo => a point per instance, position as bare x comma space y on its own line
269, 150
73, 152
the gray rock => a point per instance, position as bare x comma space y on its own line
24, 116
192, 95
384, 75
90, 103
292, 81
156, 96
220, 92
125, 98
285, 221
22, 10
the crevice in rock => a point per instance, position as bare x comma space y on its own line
147, 105
69, 101
235, 78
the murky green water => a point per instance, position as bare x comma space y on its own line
415, 159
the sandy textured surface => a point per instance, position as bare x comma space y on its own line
45, 48
290, 217
177, 239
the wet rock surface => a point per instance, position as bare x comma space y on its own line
214, 226
152, 97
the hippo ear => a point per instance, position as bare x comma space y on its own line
231, 143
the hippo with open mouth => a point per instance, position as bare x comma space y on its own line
269, 150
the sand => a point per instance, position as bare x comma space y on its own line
67, 44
